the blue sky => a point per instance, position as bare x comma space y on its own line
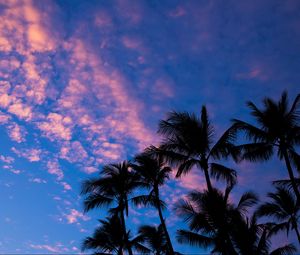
84, 83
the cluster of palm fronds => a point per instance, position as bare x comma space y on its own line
213, 220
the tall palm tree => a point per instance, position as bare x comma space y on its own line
152, 174
278, 128
251, 238
108, 239
284, 208
155, 238
188, 142
113, 188
211, 217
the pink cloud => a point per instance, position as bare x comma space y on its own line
45, 247
7, 159
66, 186
16, 132
20, 110
4, 118
90, 169
32, 155
37, 180
75, 215
163, 87
73, 152
193, 181
56, 126
54, 168
255, 73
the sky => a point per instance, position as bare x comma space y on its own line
84, 83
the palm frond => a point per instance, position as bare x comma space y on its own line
218, 172
96, 200
288, 249
247, 200
194, 239
256, 151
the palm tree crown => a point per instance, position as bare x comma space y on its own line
113, 188
284, 208
188, 142
278, 127
108, 239
152, 174
211, 217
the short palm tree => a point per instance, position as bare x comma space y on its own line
152, 174
188, 142
251, 238
113, 188
211, 217
278, 128
154, 238
108, 239
284, 208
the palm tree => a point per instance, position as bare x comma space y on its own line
108, 239
284, 208
152, 174
188, 142
278, 128
155, 238
113, 188
251, 238
211, 217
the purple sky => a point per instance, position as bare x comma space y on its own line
84, 83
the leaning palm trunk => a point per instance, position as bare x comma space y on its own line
170, 247
207, 178
295, 225
125, 233
291, 175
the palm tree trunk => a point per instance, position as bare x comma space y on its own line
295, 225
206, 174
124, 232
298, 234
171, 250
291, 175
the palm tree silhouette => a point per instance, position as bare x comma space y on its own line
211, 218
284, 208
113, 188
152, 174
155, 238
278, 127
108, 239
188, 142
251, 238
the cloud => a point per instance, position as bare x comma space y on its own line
90, 169
7, 159
16, 132
66, 186
37, 180
75, 215
32, 155
56, 126
54, 168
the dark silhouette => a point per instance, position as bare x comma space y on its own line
112, 188
214, 221
284, 208
188, 142
153, 173
108, 239
211, 218
155, 239
251, 238
278, 128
